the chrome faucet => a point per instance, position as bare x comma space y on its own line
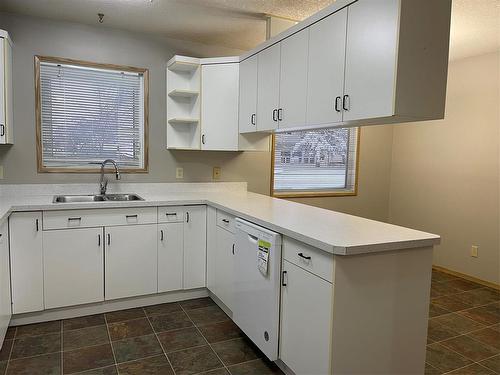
103, 183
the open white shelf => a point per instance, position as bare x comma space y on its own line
179, 66
183, 121
181, 93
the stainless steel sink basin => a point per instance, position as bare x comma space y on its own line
96, 198
122, 197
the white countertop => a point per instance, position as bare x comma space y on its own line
331, 231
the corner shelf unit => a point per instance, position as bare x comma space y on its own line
183, 103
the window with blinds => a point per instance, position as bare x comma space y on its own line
315, 163
88, 113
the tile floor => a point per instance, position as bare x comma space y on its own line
464, 328
196, 337
190, 337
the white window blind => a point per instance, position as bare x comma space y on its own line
89, 114
315, 161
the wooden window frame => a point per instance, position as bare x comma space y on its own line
318, 193
38, 113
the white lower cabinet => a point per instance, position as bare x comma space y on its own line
73, 267
195, 247
26, 261
130, 261
224, 265
170, 256
306, 316
5, 297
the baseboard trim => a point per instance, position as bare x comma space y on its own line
467, 277
106, 306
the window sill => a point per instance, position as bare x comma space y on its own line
314, 194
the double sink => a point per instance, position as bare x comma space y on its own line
96, 198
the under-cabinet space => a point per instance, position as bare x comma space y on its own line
73, 266
130, 261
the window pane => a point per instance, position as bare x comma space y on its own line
315, 160
89, 115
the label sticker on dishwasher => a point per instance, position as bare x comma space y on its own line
263, 256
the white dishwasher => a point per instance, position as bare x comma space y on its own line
257, 285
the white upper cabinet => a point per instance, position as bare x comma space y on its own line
293, 80
326, 69
219, 107
268, 88
248, 95
371, 59
6, 108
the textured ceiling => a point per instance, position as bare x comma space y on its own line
240, 23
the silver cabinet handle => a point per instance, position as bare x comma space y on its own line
161, 234
338, 101
280, 114
252, 118
109, 239
346, 103
275, 115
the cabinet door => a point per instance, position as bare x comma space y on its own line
293, 80
195, 247
306, 306
3, 122
224, 265
325, 90
73, 267
170, 256
130, 261
219, 107
26, 261
5, 300
248, 95
370, 71
268, 88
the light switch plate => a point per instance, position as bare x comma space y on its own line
179, 173
474, 251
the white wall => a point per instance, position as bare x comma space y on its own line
445, 174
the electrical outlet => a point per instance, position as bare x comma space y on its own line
1, 172
179, 173
216, 173
474, 251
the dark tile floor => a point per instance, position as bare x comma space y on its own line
196, 337
190, 337
464, 327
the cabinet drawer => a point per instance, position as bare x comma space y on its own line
98, 217
172, 214
225, 220
309, 258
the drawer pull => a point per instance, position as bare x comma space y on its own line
171, 214
225, 221
131, 216
304, 256
74, 219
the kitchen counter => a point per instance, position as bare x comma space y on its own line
331, 231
